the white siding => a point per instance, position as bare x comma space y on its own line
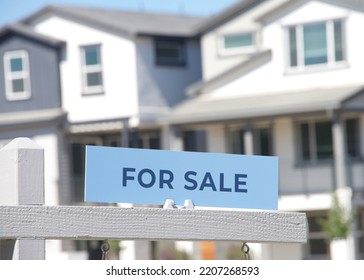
161, 87
214, 62
274, 73
119, 71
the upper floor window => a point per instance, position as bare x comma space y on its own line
170, 52
92, 69
17, 76
237, 43
319, 43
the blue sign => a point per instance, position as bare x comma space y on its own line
140, 176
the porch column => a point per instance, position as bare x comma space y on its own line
125, 134
171, 138
343, 192
248, 139
339, 151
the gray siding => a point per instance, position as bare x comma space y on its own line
162, 87
44, 75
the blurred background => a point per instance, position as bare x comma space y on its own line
273, 77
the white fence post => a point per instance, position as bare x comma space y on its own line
22, 183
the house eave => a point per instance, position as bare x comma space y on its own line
205, 108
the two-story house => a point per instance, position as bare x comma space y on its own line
30, 94
285, 78
92, 76
273, 77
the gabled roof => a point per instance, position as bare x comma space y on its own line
243, 6
205, 108
125, 22
357, 5
27, 32
236, 9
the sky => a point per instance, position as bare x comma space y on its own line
14, 10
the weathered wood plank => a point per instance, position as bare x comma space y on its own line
97, 222
22, 182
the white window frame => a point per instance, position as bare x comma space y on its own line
86, 69
331, 62
10, 76
238, 50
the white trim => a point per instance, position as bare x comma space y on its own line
330, 41
10, 76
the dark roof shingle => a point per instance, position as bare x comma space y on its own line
127, 22
25, 31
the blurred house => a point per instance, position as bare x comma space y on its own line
73, 76
272, 77
285, 78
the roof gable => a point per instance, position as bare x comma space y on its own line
125, 22
29, 34
254, 61
239, 8
289, 6
244, 6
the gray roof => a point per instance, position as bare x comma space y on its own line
243, 6
226, 15
27, 32
205, 108
126, 22
356, 5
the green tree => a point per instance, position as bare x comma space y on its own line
338, 222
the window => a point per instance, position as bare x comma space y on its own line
194, 141
237, 43
360, 232
92, 69
316, 44
17, 77
262, 141
352, 138
170, 52
77, 152
144, 140
236, 141
316, 143
316, 247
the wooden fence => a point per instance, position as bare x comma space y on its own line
25, 218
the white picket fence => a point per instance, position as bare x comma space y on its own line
24, 217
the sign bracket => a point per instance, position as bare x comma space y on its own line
169, 204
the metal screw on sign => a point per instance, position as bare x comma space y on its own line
105, 247
245, 249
